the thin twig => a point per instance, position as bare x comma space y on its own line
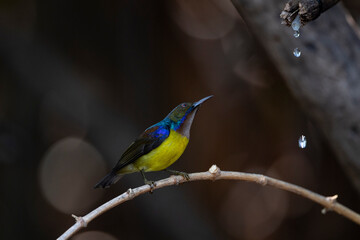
214, 173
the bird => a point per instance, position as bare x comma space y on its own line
158, 147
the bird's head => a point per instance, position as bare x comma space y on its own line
183, 115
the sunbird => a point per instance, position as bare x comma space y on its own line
158, 146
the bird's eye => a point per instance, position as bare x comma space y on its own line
184, 105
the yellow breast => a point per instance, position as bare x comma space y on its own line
164, 155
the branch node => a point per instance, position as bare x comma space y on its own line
79, 220
130, 193
332, 201
262, 180
215, 171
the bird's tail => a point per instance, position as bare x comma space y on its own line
108, 180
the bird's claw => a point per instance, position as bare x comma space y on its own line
185, 175
152, 185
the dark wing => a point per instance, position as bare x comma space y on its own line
147, 141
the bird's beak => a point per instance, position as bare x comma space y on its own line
198, 103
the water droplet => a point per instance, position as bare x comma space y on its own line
297, 52
296, 23
302, 141
297, 34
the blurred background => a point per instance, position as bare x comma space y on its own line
80, 80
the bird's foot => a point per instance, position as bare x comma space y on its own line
152, 184
183, 174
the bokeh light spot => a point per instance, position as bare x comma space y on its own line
68, 172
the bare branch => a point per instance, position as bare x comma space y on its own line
308, 10
214, 173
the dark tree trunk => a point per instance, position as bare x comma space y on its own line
324, 80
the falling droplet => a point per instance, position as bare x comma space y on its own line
302, 141
296, 23
297, 34
297, 52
